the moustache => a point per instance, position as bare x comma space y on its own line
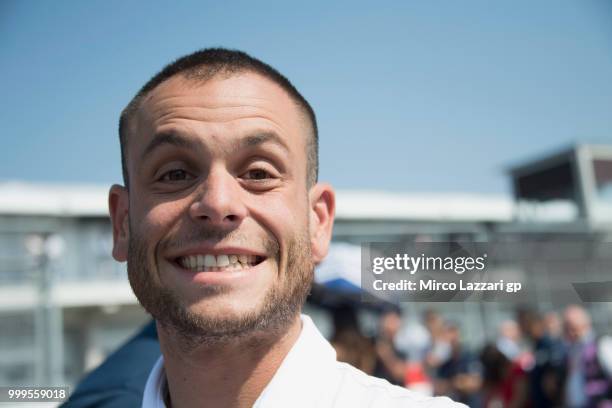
214, 236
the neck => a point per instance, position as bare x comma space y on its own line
232, 374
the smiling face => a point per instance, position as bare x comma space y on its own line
219, 227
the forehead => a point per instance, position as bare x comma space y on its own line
234, 101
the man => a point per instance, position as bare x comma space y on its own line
547, 375
119, 382
390, 362
461, 374
586, 384
221, 221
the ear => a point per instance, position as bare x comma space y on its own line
118, 205
322, 211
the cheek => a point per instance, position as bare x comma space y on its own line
156, 220
284, 215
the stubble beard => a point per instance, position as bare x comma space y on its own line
273, 316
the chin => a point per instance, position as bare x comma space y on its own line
224, 309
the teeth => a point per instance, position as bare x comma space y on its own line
209, 260
210, 263
222, 260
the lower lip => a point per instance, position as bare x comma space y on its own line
221, 278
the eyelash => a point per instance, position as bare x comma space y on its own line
164, 177
267, 176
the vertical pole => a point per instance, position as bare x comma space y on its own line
49, 330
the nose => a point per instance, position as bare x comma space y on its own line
219, 201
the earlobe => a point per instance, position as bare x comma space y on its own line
118, 204
322, 212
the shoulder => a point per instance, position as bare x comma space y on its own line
120, 380
358, 389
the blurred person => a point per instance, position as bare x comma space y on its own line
554, 328
461, 374
509, 339
221, 221
120, 381
547, 373
413, 340
351, 345
587, 384
390, 362
505, 382
438, 349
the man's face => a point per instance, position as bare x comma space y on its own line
218, 233
576, 324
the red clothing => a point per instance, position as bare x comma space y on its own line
507, 389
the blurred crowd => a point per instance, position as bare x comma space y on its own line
552, 359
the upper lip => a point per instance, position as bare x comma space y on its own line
215, 250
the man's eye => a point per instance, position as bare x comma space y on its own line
257, 174
175, 175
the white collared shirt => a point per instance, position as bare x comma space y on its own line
310, 377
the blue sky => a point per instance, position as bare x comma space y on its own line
410, 96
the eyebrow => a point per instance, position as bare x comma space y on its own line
174, 139
262, 137
167, 138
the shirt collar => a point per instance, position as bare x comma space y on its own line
303, 370
304, 364
153, 396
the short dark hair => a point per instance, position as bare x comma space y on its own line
205, 64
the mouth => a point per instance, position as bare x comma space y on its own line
218, 263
